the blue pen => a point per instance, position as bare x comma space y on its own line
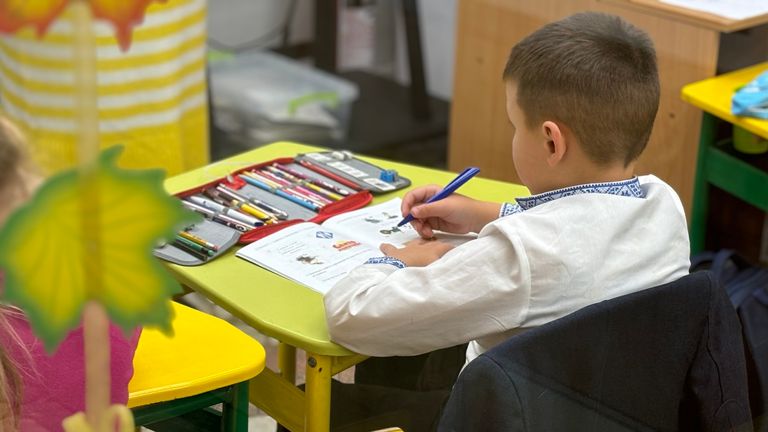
450, 188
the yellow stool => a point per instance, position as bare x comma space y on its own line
206, 362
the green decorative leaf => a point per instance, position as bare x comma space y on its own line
88, 235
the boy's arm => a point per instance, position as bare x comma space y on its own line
477, 289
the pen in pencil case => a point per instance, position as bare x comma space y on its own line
234, 214
325, 196
262, 179
234, 223
312, 194
218, 217
201, 241
322, 193
243, 203
192, 245
330, 175
300, 201
267, 218
274, 178
280, 214
224, 197
195, 253
313, 180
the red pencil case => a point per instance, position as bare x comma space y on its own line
296, 181
299, 192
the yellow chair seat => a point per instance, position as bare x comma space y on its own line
204, 353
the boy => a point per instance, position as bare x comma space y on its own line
582, 94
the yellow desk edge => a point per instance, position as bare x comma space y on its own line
714, 95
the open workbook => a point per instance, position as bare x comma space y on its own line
317, 256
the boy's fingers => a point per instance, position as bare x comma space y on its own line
387, 248
437, 209
417, 197
420, 227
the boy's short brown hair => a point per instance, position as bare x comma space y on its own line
597, 75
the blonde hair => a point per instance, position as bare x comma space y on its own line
10, 377
17, 180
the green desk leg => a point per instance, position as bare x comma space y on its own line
235, 410
700, 208
318, 393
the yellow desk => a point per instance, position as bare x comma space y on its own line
287, 311
716, 164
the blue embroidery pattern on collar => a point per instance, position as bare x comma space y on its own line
509, 208
628, 188
386, 260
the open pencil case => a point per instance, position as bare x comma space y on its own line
364, 175
258, 200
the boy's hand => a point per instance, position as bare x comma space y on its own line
417, 253
455, 214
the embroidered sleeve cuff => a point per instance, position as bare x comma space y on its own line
508, 209
386, 260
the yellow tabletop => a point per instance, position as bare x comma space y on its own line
276, 306
205, 353
714, 96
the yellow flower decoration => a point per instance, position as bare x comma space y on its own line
88, 235
15, 14
123, 14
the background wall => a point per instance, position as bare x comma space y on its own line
251, 24
241, 23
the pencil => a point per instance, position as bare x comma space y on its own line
313, 180
191, 237
330, 175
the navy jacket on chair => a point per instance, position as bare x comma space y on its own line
666, 358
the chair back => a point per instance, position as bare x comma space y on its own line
665, 358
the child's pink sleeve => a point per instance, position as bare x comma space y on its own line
54, 386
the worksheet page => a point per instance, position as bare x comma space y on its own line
318, 256
732, 9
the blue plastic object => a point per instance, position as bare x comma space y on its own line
752, 99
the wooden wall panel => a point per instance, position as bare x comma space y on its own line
487, 29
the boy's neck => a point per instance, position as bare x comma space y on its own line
593, 174
596, 174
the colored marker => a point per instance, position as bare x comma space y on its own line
313, 180
330, 175
213, 205
192, 245
312, 194
273, 210
262, 179
321, 191
234, 223
199, 255
300, 201
202, 242
254, 211
198, 208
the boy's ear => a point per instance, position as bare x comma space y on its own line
555, 141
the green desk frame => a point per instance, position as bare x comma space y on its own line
715, 165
